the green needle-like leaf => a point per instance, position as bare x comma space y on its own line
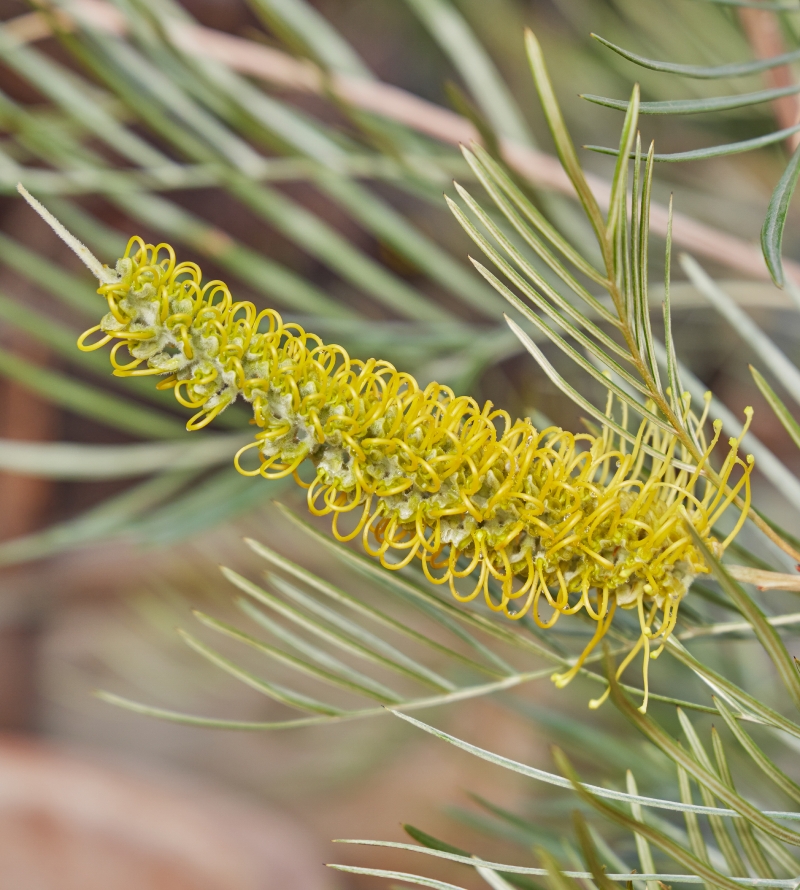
354, 630
696, 839
560, 782
312, 651
291, 661
660, 840
540, 291
775, 220
782, 412
716, 681
351, 602
574, 395
497, 174
416, 593
316, 32
451, 31
272, 690
561, 137
764, 763
698, 106
735, 69
745, 833
651, 730
766, 633
321, 630
718, 826
714, 151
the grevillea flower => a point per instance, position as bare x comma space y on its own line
539, 522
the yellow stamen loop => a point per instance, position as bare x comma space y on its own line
552, 523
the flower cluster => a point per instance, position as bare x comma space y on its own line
539, 522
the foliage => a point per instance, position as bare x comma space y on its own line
590, 301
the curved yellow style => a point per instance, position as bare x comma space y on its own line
540, 522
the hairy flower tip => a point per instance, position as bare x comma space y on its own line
539, 522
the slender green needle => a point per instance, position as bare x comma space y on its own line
698, 106
735, 69
775, 220
714, 151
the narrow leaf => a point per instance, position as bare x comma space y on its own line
352, 602
573, 394
342, 641
746, 835
762, 761
560, 134
766, 714
765, 632
660, 840
782, 412
502, 178
661, 739
698, 106
696, 839
320, 656
735, 69
775, 220
560, 782
714, 151
272, 690
357, 632
89, 401
418, 594
291, 661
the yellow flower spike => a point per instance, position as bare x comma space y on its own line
552, 523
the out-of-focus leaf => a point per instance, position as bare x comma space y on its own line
88, 401
321, 241
273, 690
315, 653
355, 631
316, 32
343, 598
343, 641
76, 292
113, 517
67, 460
450, 615
762, 345
265, 275
465, 51
325, 676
